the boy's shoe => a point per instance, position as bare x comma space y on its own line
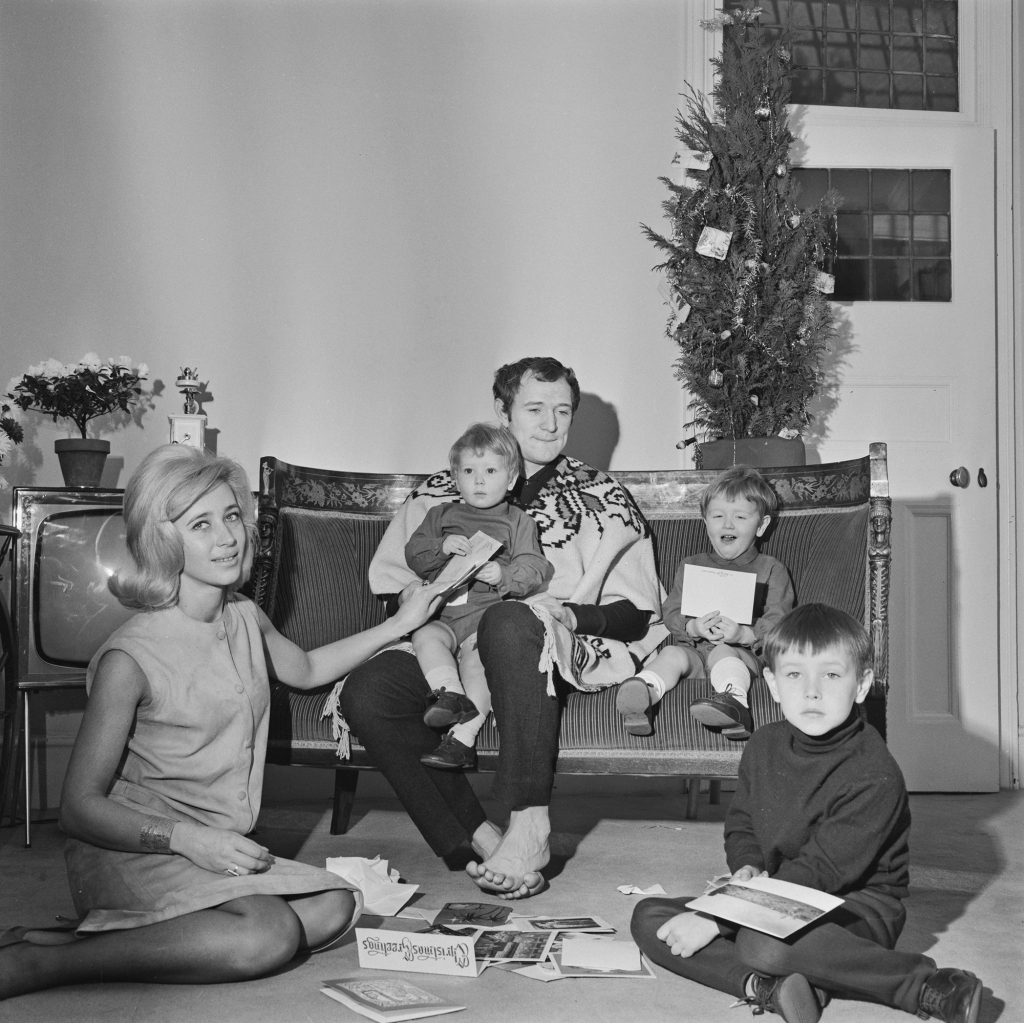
451, 755
953, 996
723, 711
790, 997
633, 702
449, 709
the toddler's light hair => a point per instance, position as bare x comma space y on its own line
482, 437
740, 481
814, 628
167, 483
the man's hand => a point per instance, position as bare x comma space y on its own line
688, 933
455, 544
490, 573
747, 872
555, 608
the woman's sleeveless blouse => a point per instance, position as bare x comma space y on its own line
196, 754
200, 738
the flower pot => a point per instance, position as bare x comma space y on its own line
81, 460
760, 452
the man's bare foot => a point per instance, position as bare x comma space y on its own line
512, 870
486, 839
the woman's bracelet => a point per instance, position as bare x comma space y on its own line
155, 835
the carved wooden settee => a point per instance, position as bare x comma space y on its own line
319, 529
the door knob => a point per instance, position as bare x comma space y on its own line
982, 478
960, 477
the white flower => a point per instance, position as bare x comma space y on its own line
5, 444
34, 371
143, 370
91, 360
13, 382
53, 368
121, 360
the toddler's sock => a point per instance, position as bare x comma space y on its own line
731, 675
467, 732
656, 683
445, 678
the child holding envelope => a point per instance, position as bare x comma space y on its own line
736, 507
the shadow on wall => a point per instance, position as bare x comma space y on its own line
595, 432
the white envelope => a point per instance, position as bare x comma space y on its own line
382, 895
724, 590
588, 954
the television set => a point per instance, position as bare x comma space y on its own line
72, 541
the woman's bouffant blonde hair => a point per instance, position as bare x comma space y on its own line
167, 483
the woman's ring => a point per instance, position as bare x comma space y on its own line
233, 871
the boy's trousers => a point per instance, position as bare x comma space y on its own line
849, 953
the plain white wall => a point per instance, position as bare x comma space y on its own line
346, 213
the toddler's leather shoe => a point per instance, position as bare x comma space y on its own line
724, 712
451, 755
633, 702
953, 996
447, 709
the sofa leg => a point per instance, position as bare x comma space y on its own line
715, 791
692, 796
345, 782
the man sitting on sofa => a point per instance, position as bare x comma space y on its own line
591, 629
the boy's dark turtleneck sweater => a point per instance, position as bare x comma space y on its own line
828, 811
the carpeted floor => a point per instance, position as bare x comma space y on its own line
966, 909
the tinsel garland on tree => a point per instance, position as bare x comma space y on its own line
749, 314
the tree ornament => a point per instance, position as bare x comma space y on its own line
725, 335
784, 55
715, 378
781, 170
793, 220
762, 113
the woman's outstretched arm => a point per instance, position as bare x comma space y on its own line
290, 664
118, 687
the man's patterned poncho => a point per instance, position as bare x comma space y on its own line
585, 519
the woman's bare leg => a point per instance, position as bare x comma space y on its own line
241, 939
323, 917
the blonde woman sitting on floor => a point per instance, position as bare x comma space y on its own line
165, 778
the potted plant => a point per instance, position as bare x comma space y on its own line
745, 265
80, 392
11, 433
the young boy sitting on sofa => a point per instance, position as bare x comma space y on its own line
819, 802
736, 507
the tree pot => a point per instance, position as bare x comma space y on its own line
81, 460
760, 452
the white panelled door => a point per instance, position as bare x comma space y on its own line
921, 377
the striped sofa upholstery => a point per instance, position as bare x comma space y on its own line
319, 529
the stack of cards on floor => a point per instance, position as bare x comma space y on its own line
583, 946
387, 999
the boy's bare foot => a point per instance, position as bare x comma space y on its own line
512, 870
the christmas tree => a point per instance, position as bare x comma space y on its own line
744, 264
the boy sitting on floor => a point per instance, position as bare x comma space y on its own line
736, 507
819, 802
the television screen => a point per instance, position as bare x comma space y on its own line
76, 553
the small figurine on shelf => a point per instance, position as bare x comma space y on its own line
188, 384
190, 427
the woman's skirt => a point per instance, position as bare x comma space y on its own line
119, 890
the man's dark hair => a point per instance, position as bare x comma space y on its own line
813, 628
508, 379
